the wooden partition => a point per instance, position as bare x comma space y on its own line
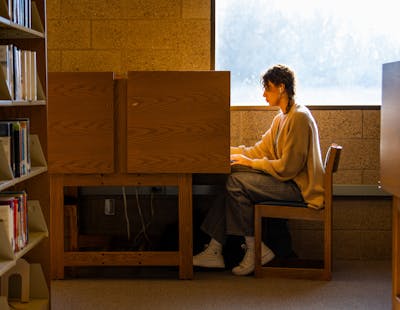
176, 122
390, 164
81, 122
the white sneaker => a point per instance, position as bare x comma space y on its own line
211, 257
246, 266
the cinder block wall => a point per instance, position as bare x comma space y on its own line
123, 35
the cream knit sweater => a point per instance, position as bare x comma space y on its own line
290, 150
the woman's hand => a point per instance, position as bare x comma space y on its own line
240, 159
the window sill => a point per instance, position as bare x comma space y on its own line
311, 107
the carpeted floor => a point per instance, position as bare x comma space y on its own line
355, 285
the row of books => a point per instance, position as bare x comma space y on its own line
20, 12
18, 80
14, 141
14, 215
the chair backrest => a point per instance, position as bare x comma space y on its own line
332, 157
331, 165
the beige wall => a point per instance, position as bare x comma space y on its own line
123, 35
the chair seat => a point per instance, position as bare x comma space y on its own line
289, 203
293, 210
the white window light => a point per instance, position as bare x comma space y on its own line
336, 48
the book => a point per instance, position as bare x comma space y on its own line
33, 77
16, 136
24, 145
10, 9
17, 77
24, 74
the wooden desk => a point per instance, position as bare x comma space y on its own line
152, 129
390, 164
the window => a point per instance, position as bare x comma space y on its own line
336, 48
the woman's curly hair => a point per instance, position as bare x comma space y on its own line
281, 74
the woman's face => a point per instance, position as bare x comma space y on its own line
272, 94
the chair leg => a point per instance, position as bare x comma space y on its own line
257, 243
328, 250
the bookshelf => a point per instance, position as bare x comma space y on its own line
31, 103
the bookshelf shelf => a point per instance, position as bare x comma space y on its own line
6, 265
12, 103
37, 232
9, 30
34, 239
35, 172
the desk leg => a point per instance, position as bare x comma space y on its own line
396, 254
185, 227
57, 226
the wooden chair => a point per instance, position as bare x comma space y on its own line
300, 211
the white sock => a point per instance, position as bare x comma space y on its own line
214, 244
249, 241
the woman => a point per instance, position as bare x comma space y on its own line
285, 164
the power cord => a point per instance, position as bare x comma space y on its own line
144, 225
143, 231
126, 213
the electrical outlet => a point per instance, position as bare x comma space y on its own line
109, 206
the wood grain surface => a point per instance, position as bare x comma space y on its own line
81, 122
178, 122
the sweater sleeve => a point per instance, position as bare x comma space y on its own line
263, 149
292, 149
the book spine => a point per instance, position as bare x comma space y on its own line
17, 149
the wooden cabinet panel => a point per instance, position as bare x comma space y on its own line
390, 129
81, 122
178, 122
389, 161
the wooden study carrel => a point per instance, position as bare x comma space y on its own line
149, 129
